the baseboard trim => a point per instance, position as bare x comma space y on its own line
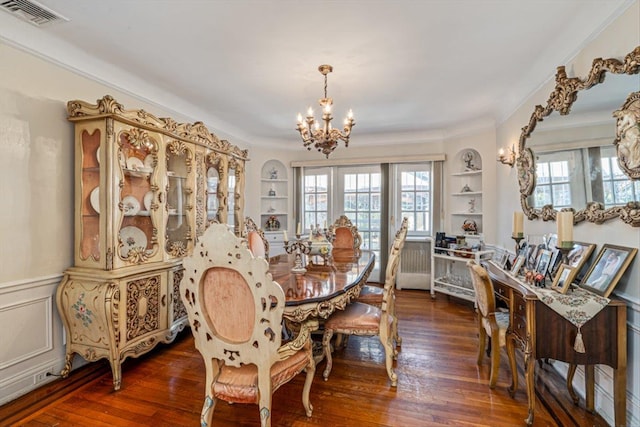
39, 398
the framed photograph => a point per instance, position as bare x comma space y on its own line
563, 278
517, 264
544, 259
579, 255
609, 266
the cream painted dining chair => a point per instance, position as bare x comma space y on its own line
491, 321
372, 294
368, 320
257, 242
235, 311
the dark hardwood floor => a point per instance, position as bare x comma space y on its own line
439, 383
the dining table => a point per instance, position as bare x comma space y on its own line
327, 285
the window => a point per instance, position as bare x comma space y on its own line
360, 189
559, 179
359, 193
618, 189
316, 198
415, 186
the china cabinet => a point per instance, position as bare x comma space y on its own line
274, 204
145, 188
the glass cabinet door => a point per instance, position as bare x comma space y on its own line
213, 179
179, 203
90, 181
138, 160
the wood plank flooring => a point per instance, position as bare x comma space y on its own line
439, 384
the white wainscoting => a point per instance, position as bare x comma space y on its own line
31, 335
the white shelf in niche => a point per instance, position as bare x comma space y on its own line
467, 213
467, 173
468, 193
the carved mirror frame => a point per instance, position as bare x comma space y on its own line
561, 100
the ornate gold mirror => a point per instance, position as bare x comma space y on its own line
577, 162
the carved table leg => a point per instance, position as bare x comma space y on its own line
570, 373
589, 385
529, 373
511, 353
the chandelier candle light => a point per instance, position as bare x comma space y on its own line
324, 139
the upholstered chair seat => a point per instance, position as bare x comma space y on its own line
240, 385
371, 294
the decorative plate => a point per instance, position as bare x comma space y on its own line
94, 199
148, 198
98, 155
148, 161
134, 163
132, 237
130, 206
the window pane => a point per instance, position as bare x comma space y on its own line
363, 201
322, 202
310, 202
349, 202
350, 182
363, 181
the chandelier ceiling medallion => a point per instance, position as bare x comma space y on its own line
324, 139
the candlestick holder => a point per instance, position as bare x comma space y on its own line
298, 247
565, 248
518, 239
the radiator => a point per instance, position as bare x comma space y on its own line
415, 265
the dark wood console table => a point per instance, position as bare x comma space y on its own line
542, 333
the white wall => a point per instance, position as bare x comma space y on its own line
615, 41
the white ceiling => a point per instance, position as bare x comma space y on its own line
411, 70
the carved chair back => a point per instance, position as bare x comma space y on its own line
345, 234
235, 311
258, 243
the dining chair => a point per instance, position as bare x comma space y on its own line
372, 294
235, 311
491, 321
345, 234
368, 320
258, 243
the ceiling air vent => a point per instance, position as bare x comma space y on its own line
31, 11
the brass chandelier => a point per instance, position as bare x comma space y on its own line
324, 139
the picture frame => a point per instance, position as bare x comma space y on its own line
543, 261
579, 255
564, 277
605, 272
517, 265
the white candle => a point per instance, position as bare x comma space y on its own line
286, 239
518, 224
298, 232
565, 228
